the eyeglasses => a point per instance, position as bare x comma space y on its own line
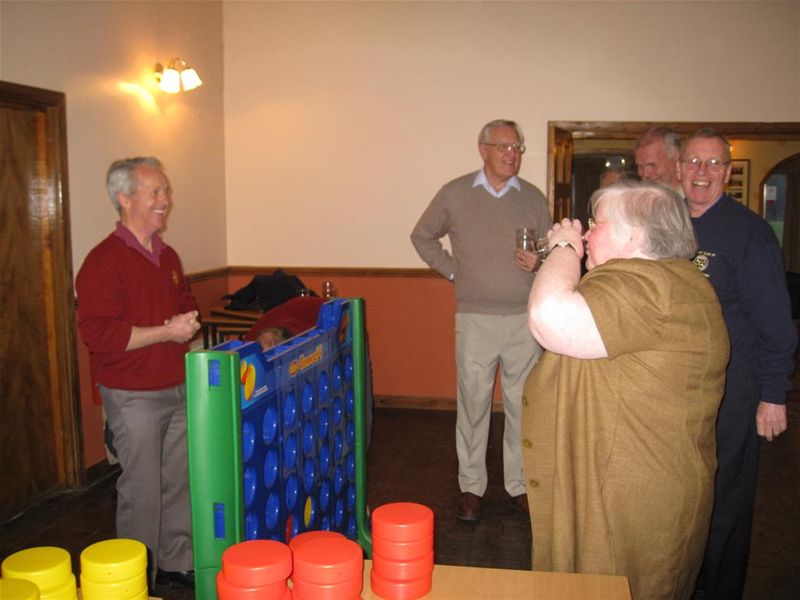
507, 147
712, 164
592, 223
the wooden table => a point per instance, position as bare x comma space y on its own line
241, 315
217, 329
473, 583
222, 323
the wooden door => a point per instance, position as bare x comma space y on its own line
40, 449
559, 172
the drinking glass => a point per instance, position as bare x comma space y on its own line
542, 249
526, 238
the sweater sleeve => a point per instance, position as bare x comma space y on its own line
186, 300
426, 236
101, 302
765, 302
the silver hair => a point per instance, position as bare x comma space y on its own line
657, 210
665, 135
485, 136
121, 176
709, 133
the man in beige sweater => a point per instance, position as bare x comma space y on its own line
480, 212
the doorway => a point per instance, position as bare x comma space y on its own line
568, 140
596, 170
781, 207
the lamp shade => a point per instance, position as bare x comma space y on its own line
170, 81
190, 79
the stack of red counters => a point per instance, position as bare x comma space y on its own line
302, 538
327, 566
255, 570
402, 551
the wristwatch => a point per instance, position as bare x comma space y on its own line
563, 244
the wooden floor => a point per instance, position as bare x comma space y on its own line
418, 448
412, 458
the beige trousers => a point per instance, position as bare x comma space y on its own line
484, 342
153, 503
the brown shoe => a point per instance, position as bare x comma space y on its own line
468, 507
520, 504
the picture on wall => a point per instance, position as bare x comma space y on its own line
739, 183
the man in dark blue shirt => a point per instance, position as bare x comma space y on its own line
740, 255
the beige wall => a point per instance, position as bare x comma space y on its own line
102, 54
343, 119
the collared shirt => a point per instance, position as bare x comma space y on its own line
126, 235
480, 179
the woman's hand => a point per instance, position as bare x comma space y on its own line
568, 230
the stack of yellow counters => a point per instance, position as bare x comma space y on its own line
48, 567
18, 589
114, 570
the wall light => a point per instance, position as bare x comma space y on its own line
176, 76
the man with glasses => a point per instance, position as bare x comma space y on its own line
657, 152
740, 255
480, 212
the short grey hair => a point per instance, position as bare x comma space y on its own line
485, 136
709, 133
121, 176
657, 210
665, 135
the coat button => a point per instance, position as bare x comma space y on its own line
533, 483
527, 443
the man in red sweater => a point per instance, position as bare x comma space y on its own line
136, 315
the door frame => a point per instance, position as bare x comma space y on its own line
54, 226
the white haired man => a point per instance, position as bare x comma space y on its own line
480, 212
136, 314
657, 152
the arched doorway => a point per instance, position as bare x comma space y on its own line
780, 197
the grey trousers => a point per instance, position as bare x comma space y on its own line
482, 343
153, 505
